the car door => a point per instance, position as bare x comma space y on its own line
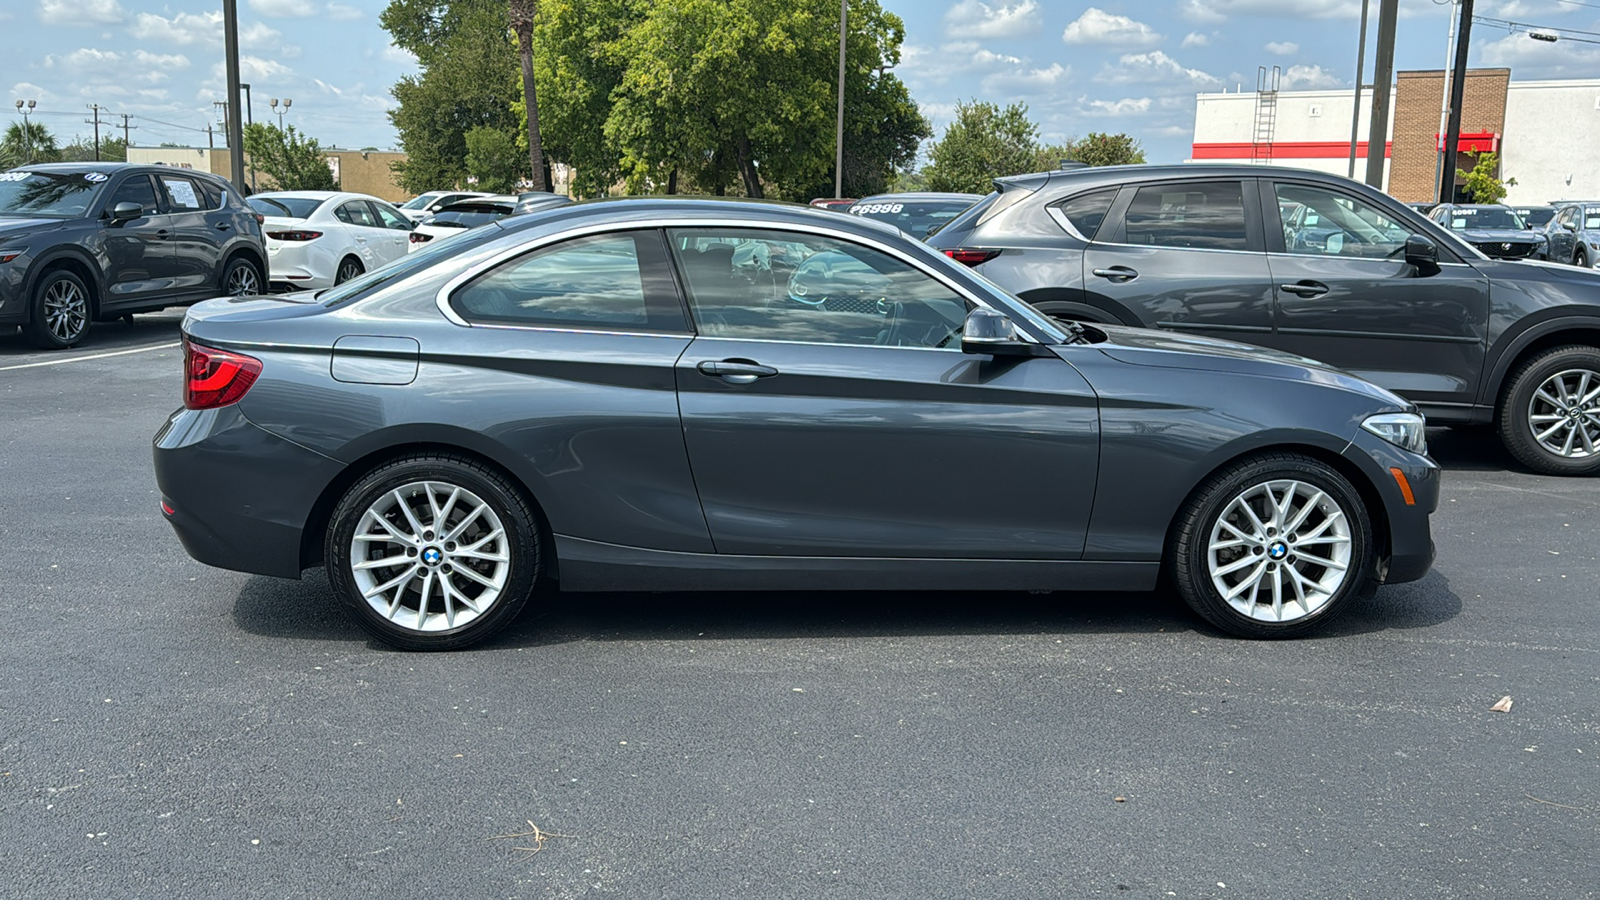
829, 411
1562, 234
361, 224
1349, 298
1186, 256
396, 230
141, 261
196, 241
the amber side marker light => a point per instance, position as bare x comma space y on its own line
1405, 486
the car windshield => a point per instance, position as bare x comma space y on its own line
49, 193
1538, 217
471, 217
418, 202
286, 207
1591, 218
917, 218
1472, 218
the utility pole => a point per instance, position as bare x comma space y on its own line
126, 142
1382, 82
838, 151
230, 31
211, 137
1458, 87
1361, 68
96, 120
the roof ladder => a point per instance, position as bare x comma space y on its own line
1266, 113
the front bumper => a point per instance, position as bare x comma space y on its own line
240, 496
1406, 523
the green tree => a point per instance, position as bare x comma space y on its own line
493, 160
1483, 183
982, 144
523, 14
1107, 150
463, 48
291, 160
30, 142
82, 150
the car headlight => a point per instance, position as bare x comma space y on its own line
1408, 431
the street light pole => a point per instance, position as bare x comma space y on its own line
286, 104
25, 107
230, 27
838, 152
1361, 68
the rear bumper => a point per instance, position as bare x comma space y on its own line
1407, 523
240, 496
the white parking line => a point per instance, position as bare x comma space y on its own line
62, 362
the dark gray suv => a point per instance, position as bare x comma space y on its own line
81, 242
1311, 264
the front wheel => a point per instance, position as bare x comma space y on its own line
434, 552
1273, 547
59, 315
1550, 415
1580, 257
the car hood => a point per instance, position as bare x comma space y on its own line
16, 226
1500, 235
1163, 349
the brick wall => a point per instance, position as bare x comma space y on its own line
1415, 150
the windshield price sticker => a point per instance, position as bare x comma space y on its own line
870, 208
14, 176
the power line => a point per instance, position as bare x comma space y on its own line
1515, 27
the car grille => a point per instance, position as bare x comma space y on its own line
1505, 250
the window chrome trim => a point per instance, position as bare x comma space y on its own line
442, 298
614, 332
749, 340
1054, 212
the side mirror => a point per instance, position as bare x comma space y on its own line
989, 332
125, 211
1422, 252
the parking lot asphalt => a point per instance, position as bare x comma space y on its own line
171, 730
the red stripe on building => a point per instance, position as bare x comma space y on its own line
1286, 150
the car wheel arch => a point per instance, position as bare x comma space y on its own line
1531, 341
75, 262
1108, 312
313, 535
247, 252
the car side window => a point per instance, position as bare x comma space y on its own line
210, 193
135, 189
1085, 212
784, 286
1201, 215
600, 282
390, 218
1334, 224
355, 212
182, 193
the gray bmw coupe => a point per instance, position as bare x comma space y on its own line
724, 395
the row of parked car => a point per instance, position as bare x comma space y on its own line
1566, 231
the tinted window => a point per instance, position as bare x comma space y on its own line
1537, 217
285, 207
391, 218
418, 202
182, 194
605, 281
211, 192
135, 189
1320, 222
1087, 212
356, 213
1206, 216
466, 217
49, 194
785, 286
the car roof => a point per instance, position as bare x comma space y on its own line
317, 195
103, 166
921, 195
714, 211
1096, 176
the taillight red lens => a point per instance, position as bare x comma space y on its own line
972, 257
418, 237
214, 378
294, 235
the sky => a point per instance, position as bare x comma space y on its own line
1109, 65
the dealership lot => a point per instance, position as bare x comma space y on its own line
167, 729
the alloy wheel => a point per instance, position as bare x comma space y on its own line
1564, 414
242, 280
430, 556
66, 310
347, 271
1279, 551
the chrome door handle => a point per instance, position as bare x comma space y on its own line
1117, 274
736, 371
223, 226
1311, 289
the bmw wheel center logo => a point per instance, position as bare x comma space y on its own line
432, 556
1278, 550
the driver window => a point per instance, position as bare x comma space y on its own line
135, 189
1319, 222
787, 286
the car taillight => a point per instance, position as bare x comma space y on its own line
972, 257
418, 237
215, 378
294, 235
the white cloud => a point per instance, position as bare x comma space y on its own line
1096, 26
1282, 48
96, 70
1533, 60
973, 18
1200, 11
340, 12
1155, 67
205, 29
1309, 78
1129, 106
81, 12
283, 9
1021, 81
400, 55
1196, 39
1210, 12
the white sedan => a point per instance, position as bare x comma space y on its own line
423, 205
317, 239
458, 217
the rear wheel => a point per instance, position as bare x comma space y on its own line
242, 278
59, 315
1550, 415
349, 267
1273, 547
434, 552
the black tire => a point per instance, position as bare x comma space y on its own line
415, 618
1189, 558
349, 267
1521, 402
59, 312
1580, 257
242, 278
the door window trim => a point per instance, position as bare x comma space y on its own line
1118, 235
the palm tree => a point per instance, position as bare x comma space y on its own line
523, 13
29, 142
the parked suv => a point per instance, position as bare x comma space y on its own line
1372, 287
1574, 234
81, 242
1495, 229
